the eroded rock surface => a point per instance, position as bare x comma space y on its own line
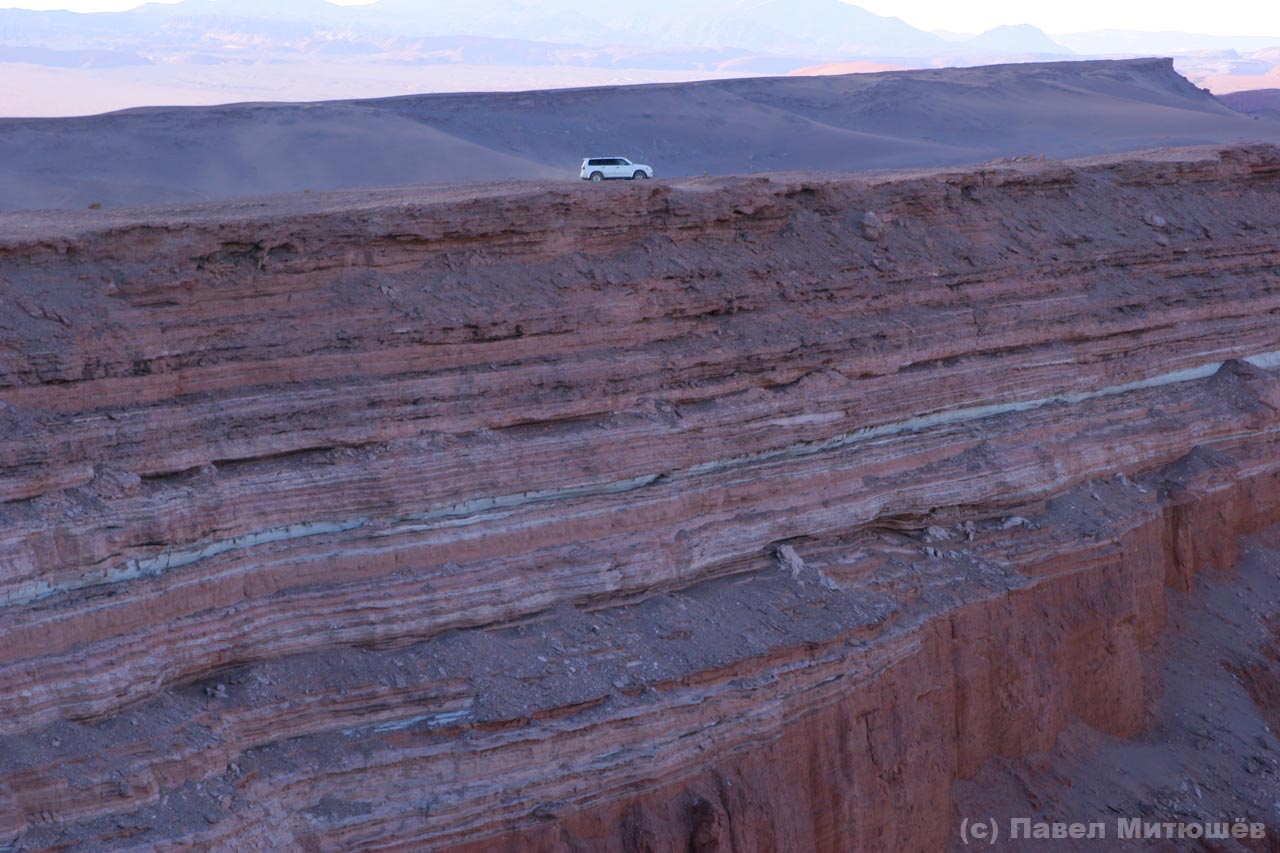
623, 518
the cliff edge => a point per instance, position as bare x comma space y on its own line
724, 514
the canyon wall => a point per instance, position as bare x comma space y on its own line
728, 514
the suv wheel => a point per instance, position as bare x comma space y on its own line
597, 177
639, 176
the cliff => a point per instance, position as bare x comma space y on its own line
733, 514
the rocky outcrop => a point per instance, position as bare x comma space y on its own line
746, 514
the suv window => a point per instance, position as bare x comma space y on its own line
598, 162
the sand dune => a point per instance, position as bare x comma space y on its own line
861, 121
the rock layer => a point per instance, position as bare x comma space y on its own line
613, 518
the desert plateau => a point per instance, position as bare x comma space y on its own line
885, 120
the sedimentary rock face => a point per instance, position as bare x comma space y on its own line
741, 513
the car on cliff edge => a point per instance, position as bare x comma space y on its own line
599, 169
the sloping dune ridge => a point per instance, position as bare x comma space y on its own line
723, 514
860, 121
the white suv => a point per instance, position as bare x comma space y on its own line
604, 168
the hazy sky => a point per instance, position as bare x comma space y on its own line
1252, 17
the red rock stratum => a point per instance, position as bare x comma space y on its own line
731, 514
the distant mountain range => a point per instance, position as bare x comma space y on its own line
828, 29
216, 51
1019, 38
